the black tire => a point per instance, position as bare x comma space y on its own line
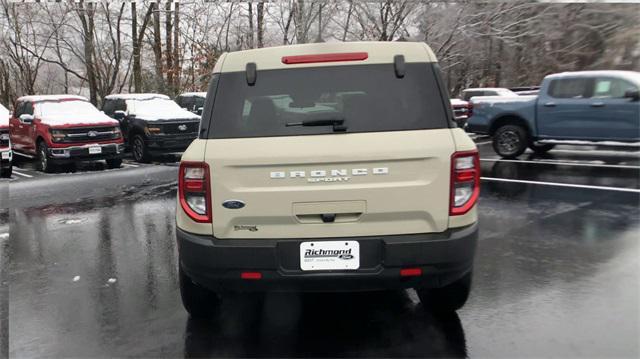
139, 149
510, 141
6, 172
200, 302
114, 163
448, 298
44, 162
541, 148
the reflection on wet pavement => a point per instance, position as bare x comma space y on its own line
556, 275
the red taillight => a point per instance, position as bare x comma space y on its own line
251, 275
410, 272
194, 191
465, 182
307, 59
469, 109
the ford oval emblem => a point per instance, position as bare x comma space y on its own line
233, 204
182, 127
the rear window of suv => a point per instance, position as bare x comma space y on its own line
366, 98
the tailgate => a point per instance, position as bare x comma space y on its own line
341, 185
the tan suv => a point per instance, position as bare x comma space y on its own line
328, 167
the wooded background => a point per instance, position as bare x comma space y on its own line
99, 48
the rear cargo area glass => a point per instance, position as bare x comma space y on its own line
368, 98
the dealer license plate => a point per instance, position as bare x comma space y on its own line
5, 155
330, 255
95, 150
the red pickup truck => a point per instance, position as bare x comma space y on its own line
63, 129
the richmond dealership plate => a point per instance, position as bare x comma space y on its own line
331, 255
5, 155
95, 150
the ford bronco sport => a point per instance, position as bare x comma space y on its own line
64, 129
328, 167
152, 124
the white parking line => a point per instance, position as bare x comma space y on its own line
554, 162
483, 143
556, 184
22, 174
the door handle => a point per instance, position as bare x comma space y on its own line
597, 104
550, 104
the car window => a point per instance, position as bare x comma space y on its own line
349, 93
569, 88
108, 107
27, 108
611, 88
19, 109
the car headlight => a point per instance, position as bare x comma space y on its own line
57, 135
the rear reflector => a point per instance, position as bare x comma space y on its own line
410, 272
251, 275
307, 59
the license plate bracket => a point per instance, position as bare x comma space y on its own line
329, 255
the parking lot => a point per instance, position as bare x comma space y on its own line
93, 272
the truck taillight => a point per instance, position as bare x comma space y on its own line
465, 182
194, 191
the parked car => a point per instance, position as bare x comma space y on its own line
333, 184
152, 124
6, 156
467, 94
589, 107
63, 129
461, 111
192, 101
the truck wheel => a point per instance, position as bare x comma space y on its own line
449, 298
44, 163
114, 163
198, 301
510, 141
541, 148
6, 172
139, 149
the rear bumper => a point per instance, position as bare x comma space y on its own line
82, 153
217, 263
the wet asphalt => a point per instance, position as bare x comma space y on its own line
89, 269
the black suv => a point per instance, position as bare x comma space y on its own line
152, 124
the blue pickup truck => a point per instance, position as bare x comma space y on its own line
587, 107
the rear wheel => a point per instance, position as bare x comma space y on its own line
198, 301
6, 172
510, 141
541, 148
139, 149
44, 162
448, 298
114, 163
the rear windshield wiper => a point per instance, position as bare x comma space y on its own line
337, 123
